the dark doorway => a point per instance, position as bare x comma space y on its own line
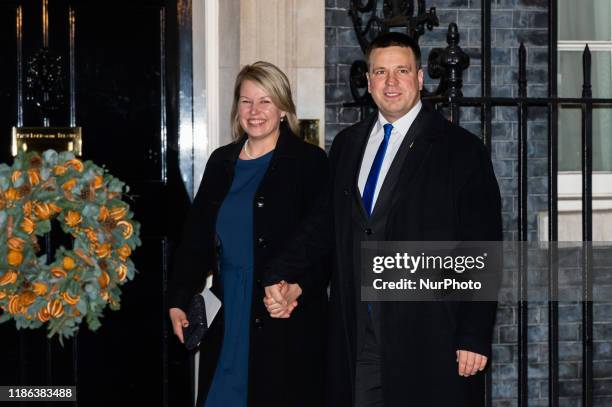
119, 84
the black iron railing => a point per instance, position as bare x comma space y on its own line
586, 103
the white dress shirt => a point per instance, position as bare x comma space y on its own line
400, 128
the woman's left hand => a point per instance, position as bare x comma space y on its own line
289, 294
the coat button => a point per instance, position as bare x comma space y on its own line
346, 192
261, 242
258, 322
259, 201
259, 283
368, 231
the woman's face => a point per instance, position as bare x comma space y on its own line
258, 116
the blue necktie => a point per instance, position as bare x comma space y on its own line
370, 186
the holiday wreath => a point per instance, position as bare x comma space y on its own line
79, 282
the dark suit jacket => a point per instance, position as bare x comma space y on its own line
286, 356
447, 191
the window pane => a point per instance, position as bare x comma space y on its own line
570, 140
569, 81
587, 20
569, 77
602, 142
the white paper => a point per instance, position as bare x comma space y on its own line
212, 304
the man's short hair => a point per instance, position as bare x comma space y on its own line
395, 39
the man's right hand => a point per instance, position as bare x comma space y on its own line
179, 321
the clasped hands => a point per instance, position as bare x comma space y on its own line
281, 299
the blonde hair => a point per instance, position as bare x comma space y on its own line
275, 83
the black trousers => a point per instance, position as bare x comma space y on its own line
368, 380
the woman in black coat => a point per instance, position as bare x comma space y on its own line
254, 194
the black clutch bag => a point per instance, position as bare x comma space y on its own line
196, 315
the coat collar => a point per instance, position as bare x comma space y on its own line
423, 129
422, 133
427, 123
423, 125
286, 146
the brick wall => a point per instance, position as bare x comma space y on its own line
513, 21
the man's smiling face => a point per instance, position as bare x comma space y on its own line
394, 81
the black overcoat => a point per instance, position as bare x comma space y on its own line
286, 356
447, 191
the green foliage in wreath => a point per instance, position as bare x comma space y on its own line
80, 282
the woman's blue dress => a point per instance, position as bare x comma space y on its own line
235, 230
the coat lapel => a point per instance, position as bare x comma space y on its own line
410, 155
355, 157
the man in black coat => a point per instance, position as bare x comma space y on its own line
404, 174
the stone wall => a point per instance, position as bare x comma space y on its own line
290, 35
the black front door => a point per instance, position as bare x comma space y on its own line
118, 84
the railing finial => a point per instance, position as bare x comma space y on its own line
448, 64
587, 91
522, 78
